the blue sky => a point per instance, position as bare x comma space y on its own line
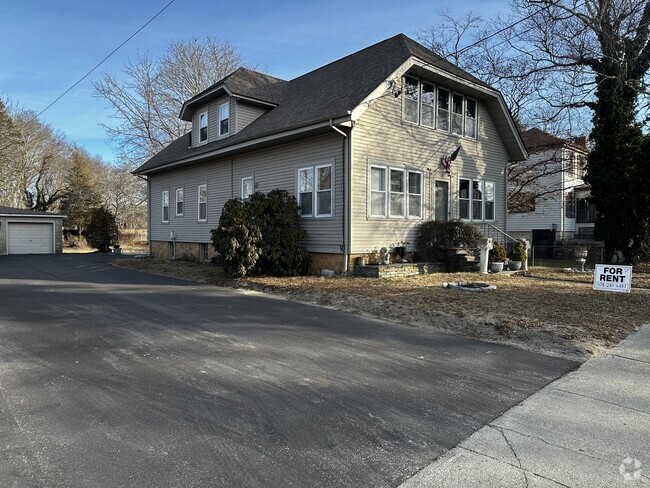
47, 45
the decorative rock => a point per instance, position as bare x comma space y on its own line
327, 273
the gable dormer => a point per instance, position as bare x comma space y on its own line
231, 104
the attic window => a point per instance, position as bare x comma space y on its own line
224, 115
203, 127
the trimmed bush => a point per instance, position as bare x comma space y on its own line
277, 216
497, 253
439, 241
102, 231
236, 240
261, 235
517, 253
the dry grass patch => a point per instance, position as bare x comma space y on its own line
559, 314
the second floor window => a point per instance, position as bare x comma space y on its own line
203, 126
433, 106
203, 203
224, 117
180, 201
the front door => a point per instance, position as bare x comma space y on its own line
441, 201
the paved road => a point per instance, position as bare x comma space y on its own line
115, 378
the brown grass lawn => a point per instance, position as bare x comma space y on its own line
548, 311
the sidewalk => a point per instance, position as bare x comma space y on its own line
589, 429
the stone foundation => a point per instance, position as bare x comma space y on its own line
319, 261
187, 251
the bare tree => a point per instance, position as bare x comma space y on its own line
39, 165
147, 96
125, 196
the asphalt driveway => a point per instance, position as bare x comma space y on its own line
109, 378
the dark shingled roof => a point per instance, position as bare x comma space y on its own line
26, 211
326, 93
538, 140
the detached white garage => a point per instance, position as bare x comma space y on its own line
24, 231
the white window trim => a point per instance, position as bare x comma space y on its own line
314, 190
385, 191
246, 178
198, 203
470, 200
223, 134
408, 194
165, 196
207, 127
177, 202
388, 192
418, 85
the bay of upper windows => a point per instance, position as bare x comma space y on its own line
438, 108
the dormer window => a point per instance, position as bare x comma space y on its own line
203, 126
224, 116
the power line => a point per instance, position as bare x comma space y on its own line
106, 58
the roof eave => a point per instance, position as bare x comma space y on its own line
249, 144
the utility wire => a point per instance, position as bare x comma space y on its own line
106, 58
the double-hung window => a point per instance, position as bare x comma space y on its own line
315, 190
224, 117
395, 192
203, 126
415, 194
202, 203
442, 121
457, 114
246, 187
470, 118
180, 201
377, 191
476, 199
165, 206
411, 99
428, 115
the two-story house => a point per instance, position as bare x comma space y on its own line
359, 142
548, 200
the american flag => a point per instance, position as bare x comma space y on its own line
446, 161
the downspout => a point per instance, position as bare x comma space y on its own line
346, 196
148, 212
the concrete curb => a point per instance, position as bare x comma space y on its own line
588, 429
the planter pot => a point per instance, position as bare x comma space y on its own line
514, 265
580, 253
360, 261
496, 267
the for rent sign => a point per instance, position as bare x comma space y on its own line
612, 277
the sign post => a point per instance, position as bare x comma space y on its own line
613, 277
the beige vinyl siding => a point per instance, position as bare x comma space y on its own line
381, 137
246, 113
270, 168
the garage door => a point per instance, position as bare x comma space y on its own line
30, 238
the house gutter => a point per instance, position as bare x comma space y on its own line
347, 228
148, 211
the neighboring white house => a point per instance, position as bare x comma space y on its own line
548, 194
359, 142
